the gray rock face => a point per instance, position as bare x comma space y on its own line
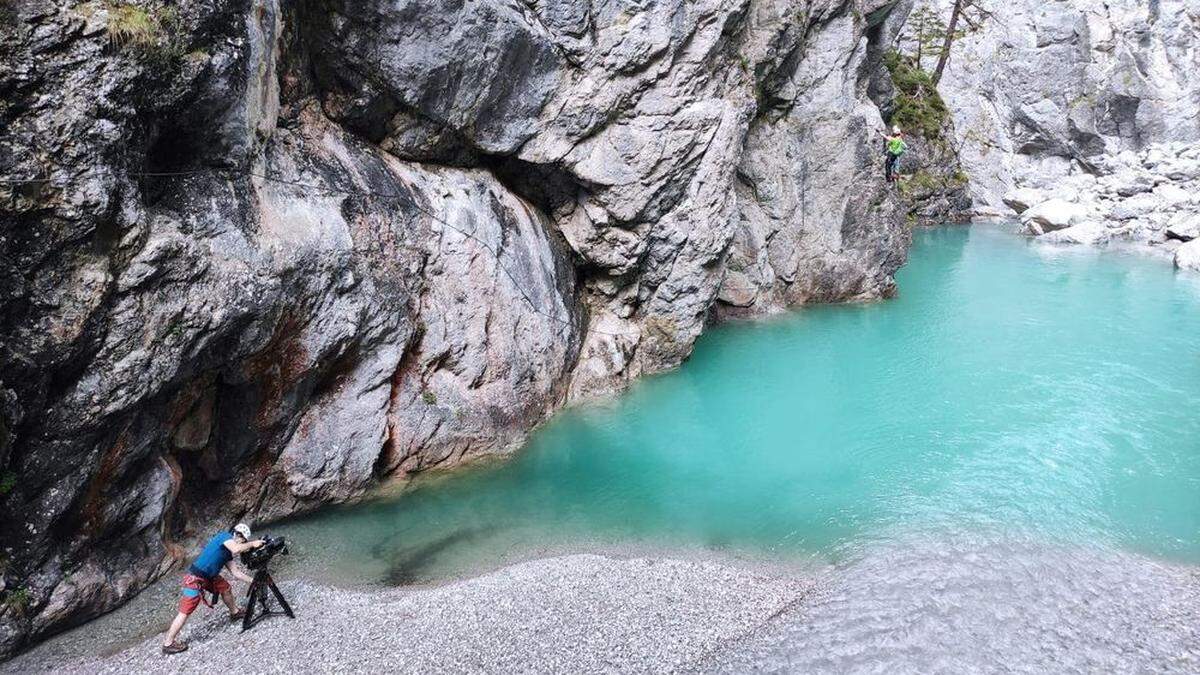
1050, 89
261, 255
807, 188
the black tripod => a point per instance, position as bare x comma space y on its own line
258, 596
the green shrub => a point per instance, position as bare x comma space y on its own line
429, 397
919, 108
18, 601
8, 481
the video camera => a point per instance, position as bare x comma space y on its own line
259, 605
257, 558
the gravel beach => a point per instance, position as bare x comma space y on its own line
577, 613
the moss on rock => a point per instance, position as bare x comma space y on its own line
919, 108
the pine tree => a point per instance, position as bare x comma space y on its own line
927, 34
972, 14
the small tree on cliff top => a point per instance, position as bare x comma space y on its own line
926, 36
927, 33
966, 16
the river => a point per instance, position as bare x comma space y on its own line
1012, 388
997, 470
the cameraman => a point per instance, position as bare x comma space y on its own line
205, 576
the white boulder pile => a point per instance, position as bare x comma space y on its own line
1150, 197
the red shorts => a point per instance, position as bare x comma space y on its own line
195, 587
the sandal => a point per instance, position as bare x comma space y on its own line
234, 616
175, 647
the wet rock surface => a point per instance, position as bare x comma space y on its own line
258, 256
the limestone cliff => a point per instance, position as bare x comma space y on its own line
1045, 90
256, 256
1083, 117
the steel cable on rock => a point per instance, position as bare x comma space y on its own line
403, 199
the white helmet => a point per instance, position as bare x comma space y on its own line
242, 529
896, 129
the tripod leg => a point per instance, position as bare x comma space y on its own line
287, 609
248, 619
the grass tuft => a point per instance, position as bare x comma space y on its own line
131, 26
152, 31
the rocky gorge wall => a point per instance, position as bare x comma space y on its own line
1043, 90
256, 257
1082, 117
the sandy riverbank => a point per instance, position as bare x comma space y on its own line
577, 613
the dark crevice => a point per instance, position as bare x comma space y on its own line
170, 150
546, 186
336, 374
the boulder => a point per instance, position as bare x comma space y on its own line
1171, 195
1130, 183
1082, 181
1087, 233
1187, 257
1156, 156
1181, 169
1054, 214
1148, 229
1135, 207
1021, 199
1184, 226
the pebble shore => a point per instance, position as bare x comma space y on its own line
577, 613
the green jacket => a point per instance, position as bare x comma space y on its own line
896, 145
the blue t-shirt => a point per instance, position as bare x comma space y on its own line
214, 556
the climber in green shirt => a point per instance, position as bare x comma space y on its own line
895, 148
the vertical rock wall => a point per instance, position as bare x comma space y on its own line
1049, 89
260, 256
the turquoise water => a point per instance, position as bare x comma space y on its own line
1012, 391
